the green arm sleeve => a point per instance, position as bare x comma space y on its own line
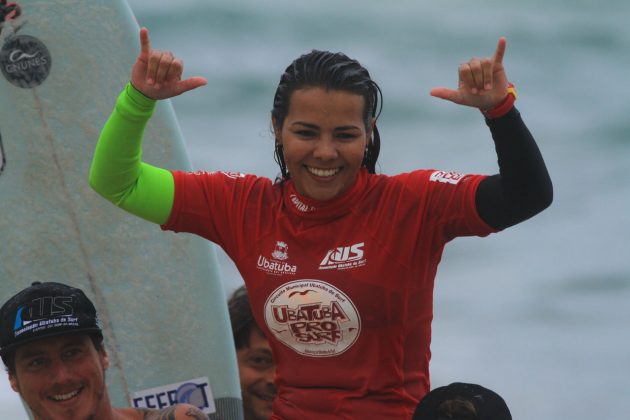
117, 171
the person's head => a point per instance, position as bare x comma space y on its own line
52, 346
462, 401
255, 362
324, 120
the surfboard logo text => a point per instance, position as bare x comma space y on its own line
193, 391
312, 317
25, 61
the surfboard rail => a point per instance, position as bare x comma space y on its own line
159, 295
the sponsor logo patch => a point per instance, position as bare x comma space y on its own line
344, 257
44, 313
277, 264
25, 61
194, 391
312, 317
233, 175
301, 206
281, 252
446, 177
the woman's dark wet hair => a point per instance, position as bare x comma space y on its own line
331, 71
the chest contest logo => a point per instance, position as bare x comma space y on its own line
312, 317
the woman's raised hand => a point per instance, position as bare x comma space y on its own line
482, 82
158, 74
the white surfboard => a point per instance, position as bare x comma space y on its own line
159, 295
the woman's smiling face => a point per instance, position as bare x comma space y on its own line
323, 138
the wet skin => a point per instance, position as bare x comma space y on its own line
323, 138
256, 372
62, 378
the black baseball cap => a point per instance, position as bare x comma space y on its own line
44, 310
488, 404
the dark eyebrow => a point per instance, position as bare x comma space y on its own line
69, 341
347, 127
260, 350
28, 353
315, 127
306, 125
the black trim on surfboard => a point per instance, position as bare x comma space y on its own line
3, 160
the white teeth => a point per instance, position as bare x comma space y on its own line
266, 397
64, 397
322, 172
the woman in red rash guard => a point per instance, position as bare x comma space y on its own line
339, 261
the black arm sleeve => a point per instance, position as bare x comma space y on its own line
523, 187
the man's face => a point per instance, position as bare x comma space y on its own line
256, 371
62, 378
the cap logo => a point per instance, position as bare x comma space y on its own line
43, 313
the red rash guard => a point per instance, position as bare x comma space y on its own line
342, 289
